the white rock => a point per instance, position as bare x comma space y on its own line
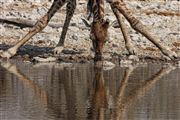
125, 63
108, 65
134, 58
49, 59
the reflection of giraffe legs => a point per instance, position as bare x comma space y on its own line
39, 92
121, 90
70, 93
124, 81
39, 26
138, 26
123, 104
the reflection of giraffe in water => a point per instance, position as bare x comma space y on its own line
40, 93
123, 103
98, 29
100, 97
49, 96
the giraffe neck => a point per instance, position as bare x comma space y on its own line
98, 10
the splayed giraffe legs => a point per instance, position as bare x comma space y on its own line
139, 27
39, 26
70, 8
99, 28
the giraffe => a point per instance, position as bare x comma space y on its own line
98, 29
101, 101
99, 32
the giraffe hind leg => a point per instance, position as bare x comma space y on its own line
39, 26
128, 44
89, 9
137, 25
70, 8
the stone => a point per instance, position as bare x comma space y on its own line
133, 58
49, 59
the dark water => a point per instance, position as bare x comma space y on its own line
83, 92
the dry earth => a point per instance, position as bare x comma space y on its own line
78, 45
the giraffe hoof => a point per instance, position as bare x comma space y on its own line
6, 54
9, 66
58, 50
132, 51
133, 58
170, 54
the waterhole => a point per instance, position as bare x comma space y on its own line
55, 91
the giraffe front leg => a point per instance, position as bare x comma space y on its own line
128, 44
139, 27
8, 53
39, 26
70, 8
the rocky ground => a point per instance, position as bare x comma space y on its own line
78, 45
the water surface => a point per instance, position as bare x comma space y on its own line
84, 92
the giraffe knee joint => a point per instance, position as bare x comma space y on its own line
41, 24
135, 22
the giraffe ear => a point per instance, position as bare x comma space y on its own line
86, 22
106, 23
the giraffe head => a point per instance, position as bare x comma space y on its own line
99, 35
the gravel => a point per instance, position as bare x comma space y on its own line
166, 27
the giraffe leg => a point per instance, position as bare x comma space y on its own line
139, 27
89, 9
129, 46
70, 8
39, 26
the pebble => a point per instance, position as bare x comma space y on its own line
49, 59
125, 63
107, 65
133, 58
